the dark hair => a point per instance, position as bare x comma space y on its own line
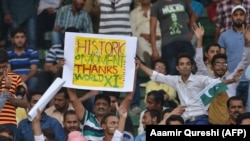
104, 118
48, 133
154, 114
158, 96
111, 93
71, 29
104, 97
207, 47
160, 61
17, 30
236, 98
64, 91
34, 92
184, 55
218, 56
69, 112
4, 57
241, 117
174, 118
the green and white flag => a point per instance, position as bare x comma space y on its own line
211, 91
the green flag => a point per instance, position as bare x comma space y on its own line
211, 91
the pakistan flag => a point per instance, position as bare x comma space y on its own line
211, 91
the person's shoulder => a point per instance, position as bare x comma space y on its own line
12, 74
51, 119
30, 50
56, 47
50, 109
150, 82
23, 122
135, 10
65, 7
140, 136
226, 32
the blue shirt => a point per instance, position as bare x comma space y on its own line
25, 132
233, 42
55, 53
20, 64
141, 137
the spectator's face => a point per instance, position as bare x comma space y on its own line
146, 120
61, 104
78, 4
19, 40
213, 50
71, 123
235, 108
219, 67
101, 107
160, 67
111, 125
184, 66
151, 103
34, 100
3, 68
238, 18
245, 122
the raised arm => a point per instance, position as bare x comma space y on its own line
144, 68
118, 135
88, 95
36, 127
78, 106
199, 33
129, 96
153, 23
245, 60
122, 111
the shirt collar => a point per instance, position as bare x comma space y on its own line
190, 78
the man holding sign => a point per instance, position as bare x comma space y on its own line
92, 129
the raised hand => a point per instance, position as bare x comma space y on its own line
37, 117
121, 111
237, 75
198, 31
246, 32
8, 80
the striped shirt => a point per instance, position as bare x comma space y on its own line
114, 18
8, 114
92, 130
66, 18
20, 64
55, 52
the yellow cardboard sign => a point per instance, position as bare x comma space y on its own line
99, 62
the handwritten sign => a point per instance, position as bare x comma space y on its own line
99, 62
